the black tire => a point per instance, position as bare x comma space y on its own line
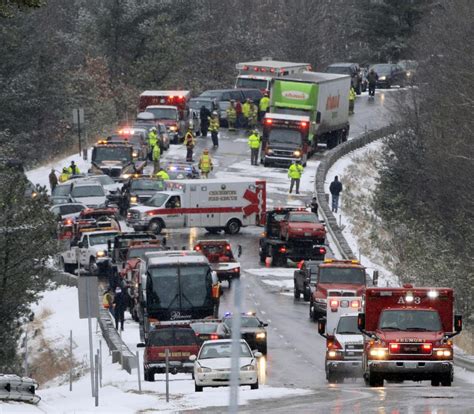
148, 376
93, 269
254, 386
435, 382
358, 91
197, 388
375, 380
306, 296
212, 230
331, 377
447, 380
155, 226
313, 315
296, 291
263, 256
232, 227
263, 350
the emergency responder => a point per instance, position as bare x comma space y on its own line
108, 300
246, 107
152, 139
53, 180
352, 97
263, 106
162, 174
64, 176
120, 304
205, 163
314, 206
204, 115
189, 142
231, 115
254, 145
73, 169
214, 128
335, 189
372, 79
156, 154
294, 173
253, 115
238, 111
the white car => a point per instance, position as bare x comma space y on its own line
110, 186
68, 210
212, 365
90, 193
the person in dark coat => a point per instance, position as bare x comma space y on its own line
372, 79
314, 206
204, 114
53, 180
121, 302
335, 189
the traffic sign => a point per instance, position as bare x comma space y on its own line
78, 116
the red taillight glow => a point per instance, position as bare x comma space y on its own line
245, 68
322, 250
334, 344
282, 249
213, 337
268, 121
227, 246
255, 68
272, 70
300, 264
394, 347
197, 248
334, 303
237, 269
303, 124
427, 347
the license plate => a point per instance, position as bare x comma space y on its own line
350, 353
411, 365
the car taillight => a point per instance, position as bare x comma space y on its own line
227, 246
237, 270
213, 337
197, 248
268, 121
322, 250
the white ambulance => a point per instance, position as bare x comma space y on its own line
344, 341
258, 74
214, 204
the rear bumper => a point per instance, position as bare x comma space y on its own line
416, 370
174, 367
347, 368
227, 275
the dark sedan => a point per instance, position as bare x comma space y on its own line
389, 74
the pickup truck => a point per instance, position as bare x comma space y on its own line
89, 252
304, 278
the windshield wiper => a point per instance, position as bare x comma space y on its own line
391, 328
174, 299
185, 297
349, 333
417, 329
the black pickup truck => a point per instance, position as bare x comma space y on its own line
303, 277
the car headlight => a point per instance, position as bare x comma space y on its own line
134, 154
332, 354
34, 194
247, 368
260, 335
269, 151
134, 199
297, 153
173, 128
382, 78
204, 369
126, 176
100, 253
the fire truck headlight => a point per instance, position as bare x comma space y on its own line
269, 151
409, 298
332, 354
297, 153
443, 353
378, 352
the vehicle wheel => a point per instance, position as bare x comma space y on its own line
297, 293
435, 382
263, 256
149, 376
197, 388
375, 380
331, 377
212, 230
447, 381
155, 226
233, 227
254, 386
388, 86
264, 349
306, 296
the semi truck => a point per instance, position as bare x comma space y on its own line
344, 341
214, 204
408, 335
306, 109
258, 74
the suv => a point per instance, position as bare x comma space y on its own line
181, 341
304, 277
389, 74
351, 69
90, 193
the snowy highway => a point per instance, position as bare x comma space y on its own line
295, 350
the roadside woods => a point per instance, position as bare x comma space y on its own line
425, 194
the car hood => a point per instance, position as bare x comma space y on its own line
98, 247
223, 363
347, 339
325, 287
111, 164
168, 122
142, 209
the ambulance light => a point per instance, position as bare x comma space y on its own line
255, 68
102, 142
227, 314
227, 246
427, 346
355, 304
245, 68
263, 70
268, 121
394, 347
334, 303
355, 262
322, 250
409, 297
433, 294
197, 248
272, 70
171, 97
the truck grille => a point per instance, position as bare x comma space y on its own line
410, 349
353, 351
283, 153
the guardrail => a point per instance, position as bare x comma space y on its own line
120, 351
326, 163
325, 210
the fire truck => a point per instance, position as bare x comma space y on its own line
336, 278
214, 204
408, 335
344, 342
258, 75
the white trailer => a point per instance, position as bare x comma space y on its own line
214, 204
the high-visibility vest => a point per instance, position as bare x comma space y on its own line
156, 153
214, 124
63, 177
246, 107
205, 163
295, 171
352, 94
254, 141
152, 139
264, 103
189, 139
162, 175
231, 113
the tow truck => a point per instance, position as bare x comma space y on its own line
220, 256
115, 160
408, 335
258, 74
344, 342
296, 248
346, 278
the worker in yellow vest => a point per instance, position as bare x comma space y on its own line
246, 108
189, 142
156, 154
214, 128
205, 163
254, 145
64, 176
162, 174
231, 115
294, 173
263, 106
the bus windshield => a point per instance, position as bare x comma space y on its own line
179, 288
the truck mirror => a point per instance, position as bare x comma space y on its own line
164, 241
141, 345
375, 277
239, 251
80, 245
322, 327
457, 323
109, 245
361, 321
318, 117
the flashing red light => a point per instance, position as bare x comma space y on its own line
268, 121
322, 250
171, 97
245, 68
197, 248
427, 347
304, 124
334, 303
150, 213
334, 344
263, 70
300, 264
68, 222
227, 246
282, 249
394, 347
272, 70
213, 337
255, 68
